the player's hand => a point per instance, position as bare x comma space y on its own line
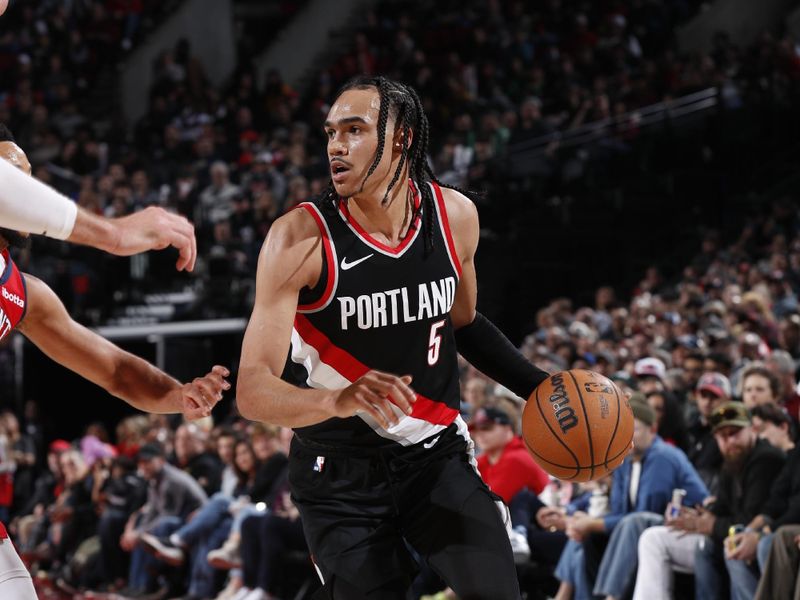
375, 393
200, 396
155, 229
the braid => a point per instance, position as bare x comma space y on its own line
383, 118
401, 102
403, 118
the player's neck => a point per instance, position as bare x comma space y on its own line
390, 218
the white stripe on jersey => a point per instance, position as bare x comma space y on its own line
463, 431
409, 430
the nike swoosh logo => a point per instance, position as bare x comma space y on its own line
429, 445
349, 265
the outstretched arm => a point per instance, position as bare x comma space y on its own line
48, 325
29, 205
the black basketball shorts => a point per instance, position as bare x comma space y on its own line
363, 510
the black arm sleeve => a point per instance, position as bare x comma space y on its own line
491, 352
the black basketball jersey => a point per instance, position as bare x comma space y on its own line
381, 308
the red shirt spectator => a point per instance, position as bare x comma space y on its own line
505, 464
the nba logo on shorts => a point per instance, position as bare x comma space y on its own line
318, 466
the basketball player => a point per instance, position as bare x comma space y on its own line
368, 290
29, 205
29, 305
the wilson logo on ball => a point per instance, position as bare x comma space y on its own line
565, 414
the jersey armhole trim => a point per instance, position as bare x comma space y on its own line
444, 225
329, 257
25, 289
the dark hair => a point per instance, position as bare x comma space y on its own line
5, 134
722, 359
698, 356
772, 413
672, 426
774, 383
242, 476
401, 103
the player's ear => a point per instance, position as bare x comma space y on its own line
397, 139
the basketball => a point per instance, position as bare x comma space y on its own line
578, 425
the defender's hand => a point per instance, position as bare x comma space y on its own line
155, 229
200, 396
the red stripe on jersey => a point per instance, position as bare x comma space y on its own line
351, 369
446, 224
345, 212
326, 244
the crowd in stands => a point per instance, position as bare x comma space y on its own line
235, 159
710, 358
709, 362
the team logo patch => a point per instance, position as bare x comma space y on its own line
319, 464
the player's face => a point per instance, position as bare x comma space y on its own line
352, 132
12, 153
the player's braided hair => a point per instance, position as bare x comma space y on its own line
401, 103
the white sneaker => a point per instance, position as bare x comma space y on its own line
256, 594
240, 595
227, 556
519, 546
163, 549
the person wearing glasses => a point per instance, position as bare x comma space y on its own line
694, 541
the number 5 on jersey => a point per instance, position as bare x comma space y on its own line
435, 342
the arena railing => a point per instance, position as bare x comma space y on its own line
669, 110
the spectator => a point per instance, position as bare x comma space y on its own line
713, 390
172, 496
651, 374
773, 424
693, 541
669, 419
782, 365
641, 489
780, 514
216, 201
507, 467
117, 493
23, 453
191, 456
760, 386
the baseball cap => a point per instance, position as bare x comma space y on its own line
59, 446
650, 367
730, 414
151, 450
642, 411
489, 415
716, 383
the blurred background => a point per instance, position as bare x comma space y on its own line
636, 163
